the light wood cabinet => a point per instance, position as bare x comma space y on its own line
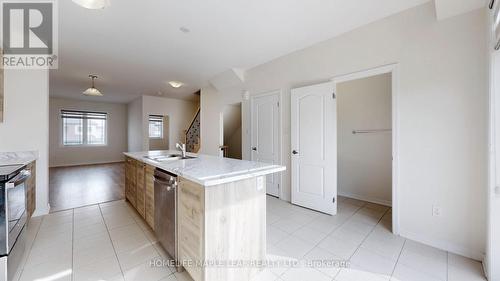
140, 169
150, 196
130, 178
31, 189
226, 222
191, 218
139, 188
221, 223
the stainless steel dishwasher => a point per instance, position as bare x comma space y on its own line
166, 211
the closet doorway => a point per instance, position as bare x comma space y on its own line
367, 137
231, 131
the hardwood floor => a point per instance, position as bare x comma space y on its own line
72, 187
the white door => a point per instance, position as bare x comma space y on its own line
265, 136
314, 148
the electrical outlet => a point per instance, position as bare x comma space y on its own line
436, 211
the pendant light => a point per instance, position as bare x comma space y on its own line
93, 4
92, 91
176, 84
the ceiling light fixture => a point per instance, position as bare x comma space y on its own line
176, 84
184, 29
93, 4
92, 91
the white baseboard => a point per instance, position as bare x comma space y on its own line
367, 199
39, 211
444, 245
86, 163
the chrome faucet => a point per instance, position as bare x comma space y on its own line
182, 147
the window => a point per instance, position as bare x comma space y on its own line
83, 128
155, 127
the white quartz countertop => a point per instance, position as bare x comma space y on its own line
208, 170
17, 158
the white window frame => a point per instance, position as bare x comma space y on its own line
162, 133
84, 128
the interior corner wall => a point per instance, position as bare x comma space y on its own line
212, 103
135, 129
365, 160
116, 127
26, 124
180, 114
442, 114
210, 109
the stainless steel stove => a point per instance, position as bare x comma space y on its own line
13, 214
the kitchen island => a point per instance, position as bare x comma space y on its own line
220, 210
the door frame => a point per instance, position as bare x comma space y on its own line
221, 133
492, 244
393, 69
492, 257
279, 93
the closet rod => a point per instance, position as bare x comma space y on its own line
371, 131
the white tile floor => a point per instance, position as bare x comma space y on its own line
111, 242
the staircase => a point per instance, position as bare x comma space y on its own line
193, 134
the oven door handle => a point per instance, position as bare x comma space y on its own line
17, 180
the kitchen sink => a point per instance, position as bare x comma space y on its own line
168, 157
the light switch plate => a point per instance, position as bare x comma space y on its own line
260, 183
436, 211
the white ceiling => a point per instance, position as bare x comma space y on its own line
136, 46
449, 8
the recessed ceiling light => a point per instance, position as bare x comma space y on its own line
176, 84
184, 29
93, 4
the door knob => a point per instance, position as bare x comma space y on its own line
295, 152
254, 148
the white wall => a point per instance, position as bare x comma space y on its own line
60, 155
442, 114
449, 8
180, 114
135, 129
26, 123
210, 109
212, 104
365, 160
